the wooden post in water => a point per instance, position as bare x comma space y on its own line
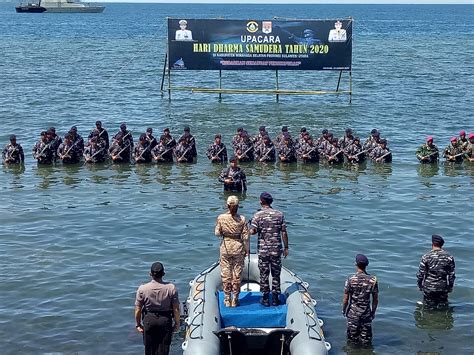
350, 86
163, 75
277, 85
339, 80
220, 85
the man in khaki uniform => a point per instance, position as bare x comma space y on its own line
233, 229
158, 301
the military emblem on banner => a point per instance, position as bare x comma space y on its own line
267, 27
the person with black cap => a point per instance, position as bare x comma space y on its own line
333, 153
42, 150
258, 139
163, 151
95, 152
355, 152
120, 150
266, 151
125, 136
381, 153
347, 140
55, 140
101, 134
244, 148
188, 140
142, 151
156, 304
308, 151
356, 305
77, 140
326, 143
270, 225
217, 151
150, 138
284, 134
372, 141
286, 151
436, 274
322, 138
69, 151
13, 152
237, 138
233, 177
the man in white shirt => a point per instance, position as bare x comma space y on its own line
338, 34
183, 34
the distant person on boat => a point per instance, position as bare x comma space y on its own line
233, 177
13, 152
233, 230
156, 304
453, 152
436, 274
356, 305
183, 34
102, 134
338, 34
469, 153
428, 152
217, 151
270, 225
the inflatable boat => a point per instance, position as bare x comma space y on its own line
213, 329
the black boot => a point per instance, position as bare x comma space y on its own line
265, 300
275, 299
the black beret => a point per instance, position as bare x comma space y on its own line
98, 123
383, 141
166, 129
186, 129
73, 129
437, 239
123, 126
261, 128
362, 259
303, 129
157, 268
52, 129
43, 133
374, 131
233, 158
284, 128
12, 137
348, 130
149, 129
266, 197
325, 131
217, 136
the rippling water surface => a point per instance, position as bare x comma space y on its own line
76, 241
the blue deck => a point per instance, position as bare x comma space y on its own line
251, 314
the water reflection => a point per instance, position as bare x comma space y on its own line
433, 319
453, 169
143, 172
382, 169
44, 173
16, 171
70, 171
123, 171
95, 169
163, 173
427, 171
352, 349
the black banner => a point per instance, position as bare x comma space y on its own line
212, 44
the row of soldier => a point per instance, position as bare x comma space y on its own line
70, 150
459, 149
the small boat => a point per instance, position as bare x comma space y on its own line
30, 7
290, 328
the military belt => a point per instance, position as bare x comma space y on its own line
232, 236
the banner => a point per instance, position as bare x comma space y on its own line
215, 44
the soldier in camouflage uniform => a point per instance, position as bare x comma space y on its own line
95, 152
326, 143
258, 139
356, 303
333, 153
280, 138
13, 152
436, 274
150, 138
286, 151
55, 141
69, 151
125, 136
142, 151
101, 134
469, 153
234, 178
77, 140
187, 139
462, 140
266, 151
42, 150
347, 140
244, 148
119, 150
308, 151
271, 228
428, 153
453, 151
322, 138
217, 152
233, 229
381, 154
372, 142
355, 153
163, 152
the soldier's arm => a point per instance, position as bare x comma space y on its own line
375, 303
345, 298
451, 275
22, 155
421, 274
218, 228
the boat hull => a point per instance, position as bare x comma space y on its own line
30, 9
204, 320
85, 9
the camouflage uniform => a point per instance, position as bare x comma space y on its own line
455, 151
95, 153
353, 151
334, 154
360, 287
308, 152
163, 152
69, 152
184, 152
371, 143
78, 142
469, 153
102, 136
142, 152
239, 180
379, 152
13, 154
346, 141
55, 142
436, 276
265, 152
244, 151
235, 233
118, 146
126, 136
287, 152
430, 152
463, 143
269, 224
189, 140
218, 151
42, 152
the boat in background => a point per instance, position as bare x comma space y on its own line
68, 6
30, 7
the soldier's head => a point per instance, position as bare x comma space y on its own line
374, 132
93, 141
462, 134
334, 142
44, 135
356, 140
261, 129
471, 137
437, 241
266, 199
361, 261
266, 139
233, 161
186, 129
429, 140
149, 131
383, 143
183, 24
142, 138
68, 137
98, 124
52, 130
73, 129
284, 129
123, 127
329, 136
454, 141
218, 138
13, 139
233, 204
348, 132
303, 130
118, 137
325, 133
157, 270
166, 131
